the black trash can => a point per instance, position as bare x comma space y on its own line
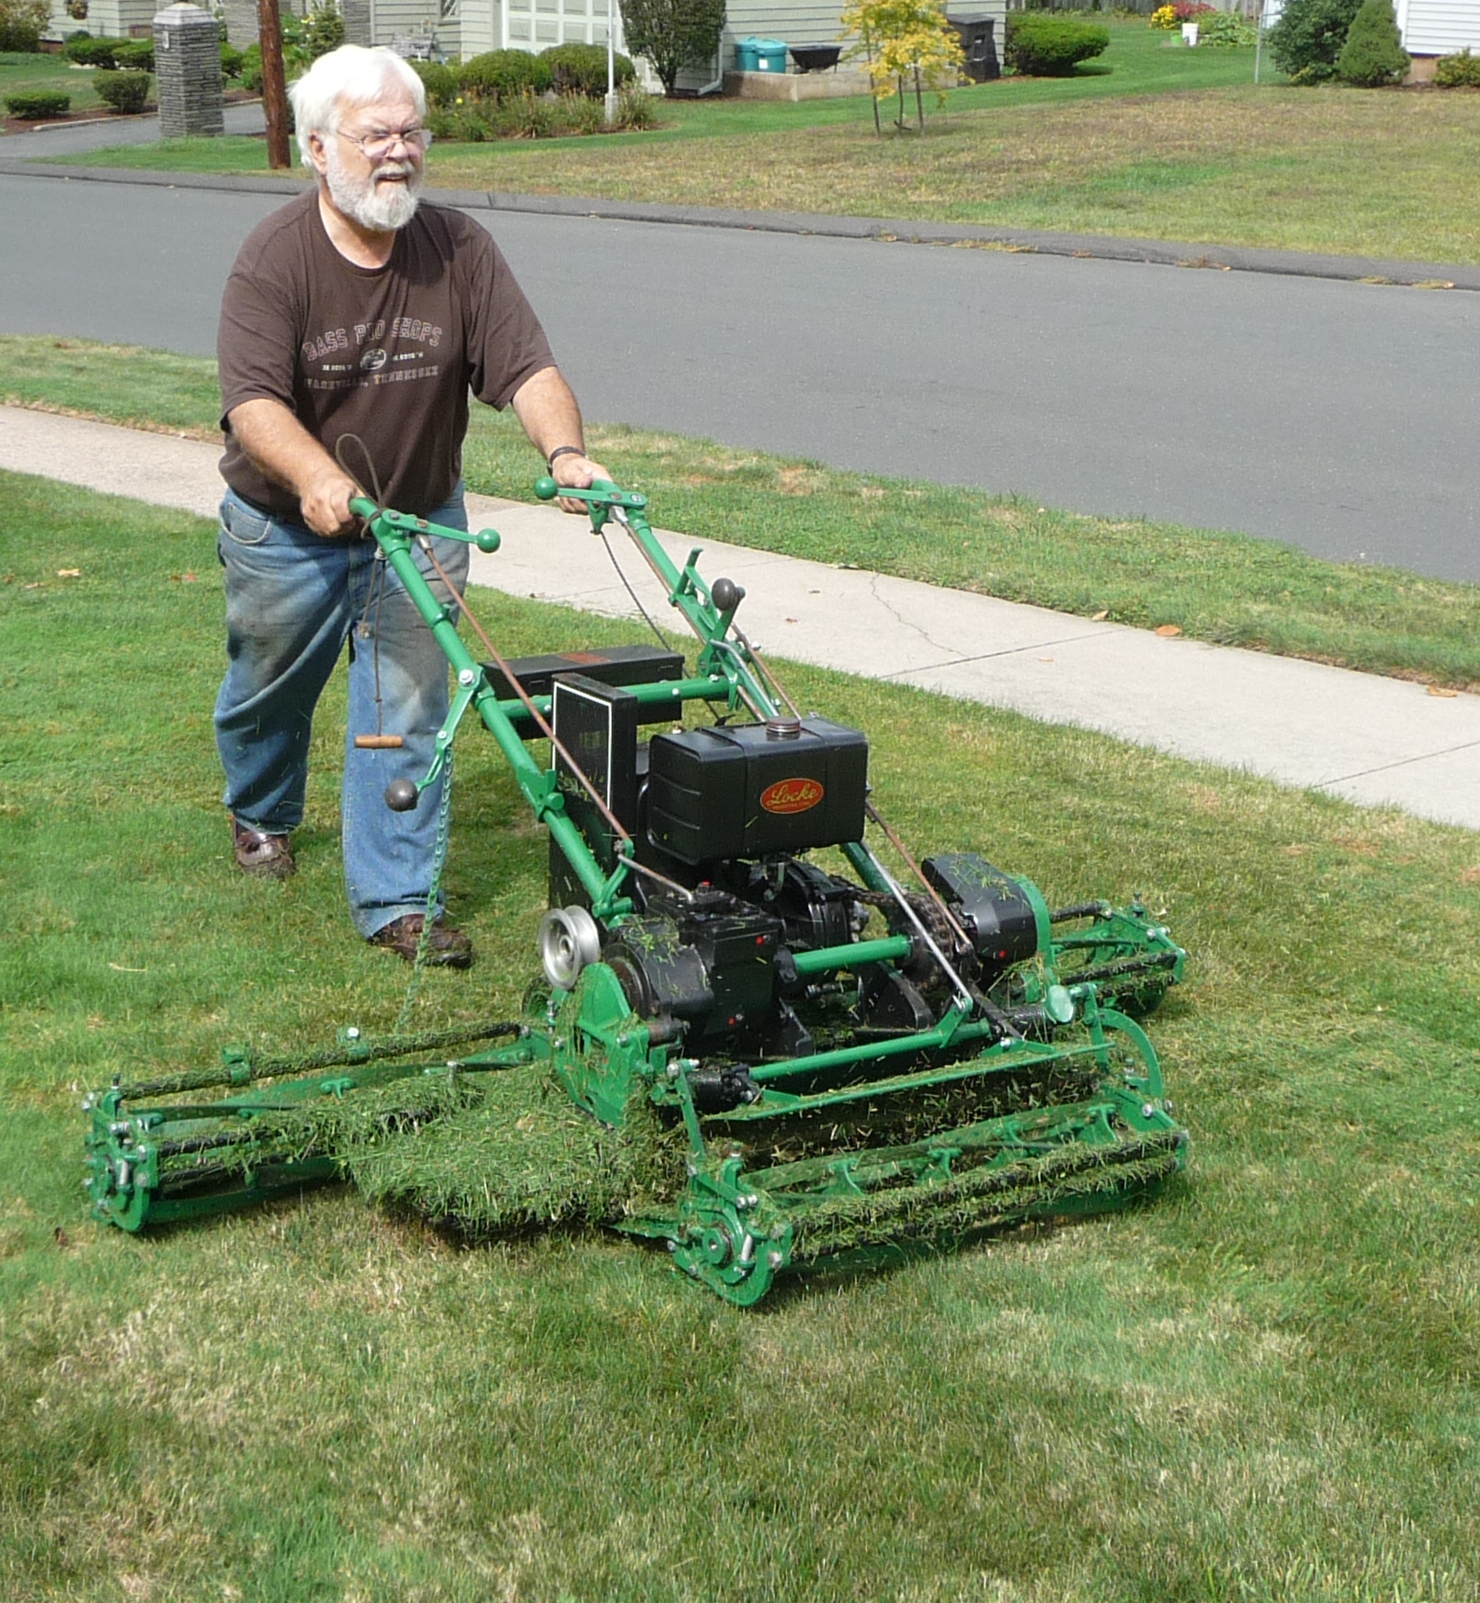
978, 44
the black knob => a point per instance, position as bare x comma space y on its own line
401, 795
726, 594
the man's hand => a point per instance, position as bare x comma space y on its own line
289, 455
579, 473
325, 504
552, 420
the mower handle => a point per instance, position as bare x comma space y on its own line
603, 496
363, 507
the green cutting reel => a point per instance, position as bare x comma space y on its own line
764, 1059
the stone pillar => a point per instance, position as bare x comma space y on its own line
187, 72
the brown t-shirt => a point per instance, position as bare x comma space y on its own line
385, 353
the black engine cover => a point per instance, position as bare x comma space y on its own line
745, 792
993, 908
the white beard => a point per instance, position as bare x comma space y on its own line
380, 208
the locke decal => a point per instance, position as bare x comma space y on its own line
791, 796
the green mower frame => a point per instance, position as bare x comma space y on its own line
916, 1085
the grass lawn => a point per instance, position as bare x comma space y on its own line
1224, 587
1150, 140
25, 72
1263, 1386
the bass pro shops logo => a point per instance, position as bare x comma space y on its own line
791, 796
373, 360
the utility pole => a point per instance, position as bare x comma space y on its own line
274, 87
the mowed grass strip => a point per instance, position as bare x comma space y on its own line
1222, 587
1261, 1386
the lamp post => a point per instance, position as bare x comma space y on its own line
611, 63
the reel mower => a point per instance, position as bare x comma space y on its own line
764, 1060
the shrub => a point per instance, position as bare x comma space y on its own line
635, 108
1458, 72
1373, 55
439, 82
38, 105
1044, 46
251, 72
231, 60
92, 52
505, 74
315, 34
124, 91
673, 34
134, 55
1306, 41
527, 116
581, 69
1225, 30
22, 22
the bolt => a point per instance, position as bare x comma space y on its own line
352, 1033
774, 1259
467, 676
1147, 1110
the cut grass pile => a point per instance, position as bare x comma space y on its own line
1263, 1386
1227, 588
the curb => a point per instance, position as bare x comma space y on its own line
1152, 252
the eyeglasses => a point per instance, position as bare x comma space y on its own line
377, 146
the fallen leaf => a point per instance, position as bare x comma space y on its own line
69, 573
788, 620
1100, 616
1441, 690
61, 1237
34, 586
1471, 876
122, 970
1168, 630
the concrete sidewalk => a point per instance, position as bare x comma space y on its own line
1368, 739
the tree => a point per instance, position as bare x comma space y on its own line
673, 34
904, 41
1373, 55
22, 22
1307, 39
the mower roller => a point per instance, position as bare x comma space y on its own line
764, 1058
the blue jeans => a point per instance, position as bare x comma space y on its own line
292, 600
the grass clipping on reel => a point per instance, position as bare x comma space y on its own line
522, 1156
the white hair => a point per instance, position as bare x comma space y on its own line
348, 76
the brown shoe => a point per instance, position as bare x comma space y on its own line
262, 855
445, 946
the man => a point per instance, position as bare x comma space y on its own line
352, 327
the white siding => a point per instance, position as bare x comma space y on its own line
1439, 27
815, 22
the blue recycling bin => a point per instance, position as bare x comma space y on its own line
760, 55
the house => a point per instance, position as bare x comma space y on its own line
1434, 28
463, 28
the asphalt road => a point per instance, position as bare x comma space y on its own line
1339, 417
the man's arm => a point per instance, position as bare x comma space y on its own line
550, 417
287, 453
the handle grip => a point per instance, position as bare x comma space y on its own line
603, 494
